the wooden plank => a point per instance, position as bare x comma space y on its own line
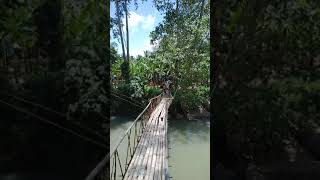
158, 154
163, 147
152, 147
165, 156
149, 150
151, 142
137, 158
140, 146
153, 159
150, 159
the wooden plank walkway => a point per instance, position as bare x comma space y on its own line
150, 161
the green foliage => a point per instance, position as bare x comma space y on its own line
16, 24
181, 52
268, 70
125, 72
151, 91
71, 36
86, 75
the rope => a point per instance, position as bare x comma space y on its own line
127, 101
127, 97
53, 124
54, 111
35, 104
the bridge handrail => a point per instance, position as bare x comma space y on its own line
94, 173
127, 131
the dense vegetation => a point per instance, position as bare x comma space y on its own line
181, 52
54, 80
53, 53
266, 94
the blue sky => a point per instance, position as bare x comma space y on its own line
142, 21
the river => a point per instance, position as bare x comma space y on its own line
189, 143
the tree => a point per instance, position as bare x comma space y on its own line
127, 28
120, 7
120, 29
266, 69
176, 52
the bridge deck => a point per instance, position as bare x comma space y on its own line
150, 159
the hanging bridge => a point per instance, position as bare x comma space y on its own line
142, 152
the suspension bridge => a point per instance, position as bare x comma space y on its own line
142, 152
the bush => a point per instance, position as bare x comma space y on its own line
151, 91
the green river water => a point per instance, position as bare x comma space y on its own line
189, 143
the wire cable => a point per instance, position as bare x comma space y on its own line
56, 112
127, 101
127, 97
53, 124
35, 104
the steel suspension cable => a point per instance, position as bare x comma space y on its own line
35, 104
127, 97
54, 111
126, 100
19, 109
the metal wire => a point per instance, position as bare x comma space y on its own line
131, 134
53, 111
127, 101
54, 124
123, 95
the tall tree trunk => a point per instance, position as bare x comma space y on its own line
126, 65
120, 30
127, 29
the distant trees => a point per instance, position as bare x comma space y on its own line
122, 8
181, 52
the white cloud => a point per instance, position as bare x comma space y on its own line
136, 52
138, 22
134, 20
147, 46
148, 22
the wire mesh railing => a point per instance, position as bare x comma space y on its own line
115, 165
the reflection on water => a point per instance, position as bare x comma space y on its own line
189, 153
189, 156
118, 126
